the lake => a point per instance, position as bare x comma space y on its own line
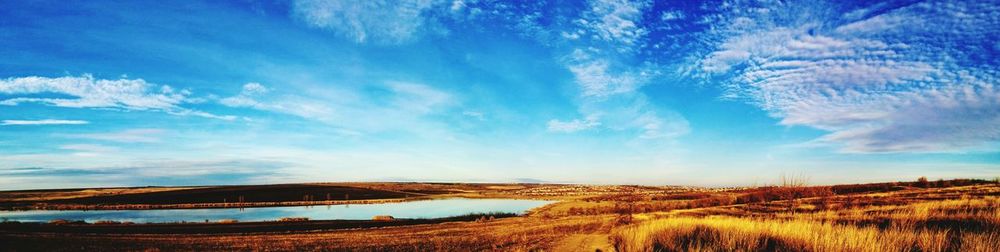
410, 209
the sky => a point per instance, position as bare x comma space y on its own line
707, 93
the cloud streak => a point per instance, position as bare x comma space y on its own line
88, 92
355, 112
126, 136
43, 122
202, 172
574, 125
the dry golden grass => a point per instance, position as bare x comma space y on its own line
744, 234
914, 222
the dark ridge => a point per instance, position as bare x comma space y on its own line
235, 194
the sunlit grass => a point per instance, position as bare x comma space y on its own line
743, 234
967, 223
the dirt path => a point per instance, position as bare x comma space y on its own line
584, 242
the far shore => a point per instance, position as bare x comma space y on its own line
251, 196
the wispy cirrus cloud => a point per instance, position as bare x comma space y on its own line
884, 78
418, 98
353, 111
597, 78
88, 92
603, 39
616, 21
607, 38
378, 21
88, 149
165, 172
125, 136
39, 171
672, 15
246, 97
43, 122
574, 125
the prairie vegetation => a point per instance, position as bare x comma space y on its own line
928, 217
922, 215
743, 234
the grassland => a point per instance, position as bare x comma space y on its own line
956, 215
963, 218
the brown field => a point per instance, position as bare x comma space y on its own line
197, 197
954, 215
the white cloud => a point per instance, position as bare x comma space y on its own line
134, 94
863, 12
378, 21
87, 147
254, 88
457, 5
574, 125
617, 21
671, 15
597, 79
570, 36
126, 136
632, 113
475, 114
417, 97
43, 122
898, 81
246, 97
654, 126
88, 150
87, 92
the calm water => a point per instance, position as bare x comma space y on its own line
411, 209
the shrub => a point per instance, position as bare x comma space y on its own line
772, 193
922, 182
65, 222
682, 196
865, 188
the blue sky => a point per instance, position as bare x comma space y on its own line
113, 93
